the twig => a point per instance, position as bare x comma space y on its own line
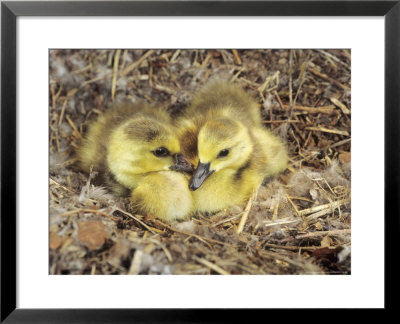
124, 57
342, 106
227, 220
136, 219
327, 130
340, 143
82, 70
333, 57
328, 78
279, 99
62, 111
163, 247
299, 132
175, 56
313, 110
238, 61
134, 65
323, 233
275, 212
199, 237
282, 221
95, 79
162, 88
87, 210
303, 70
280, 121
210, 265
321, 213
300, 198
247, 211
291, 248
291, 103
60, 185
331, 206
274, 77
293, 205
115, 73
236, 75
205, 61
71, 123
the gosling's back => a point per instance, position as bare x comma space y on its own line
224, 99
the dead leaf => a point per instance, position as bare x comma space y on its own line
72, 92
55, 241
326, 242
318, 226
92, 234
345, 157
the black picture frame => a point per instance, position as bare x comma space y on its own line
11, 10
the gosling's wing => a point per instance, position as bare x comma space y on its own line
271, 153
91, 153
93, 148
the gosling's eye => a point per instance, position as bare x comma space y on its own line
161, 152
223, 153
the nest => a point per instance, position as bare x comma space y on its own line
297, 223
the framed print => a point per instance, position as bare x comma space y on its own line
185, 140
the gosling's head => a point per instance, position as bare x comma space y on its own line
222, 143
140, 146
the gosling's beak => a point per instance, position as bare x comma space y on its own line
200, 174
181, 164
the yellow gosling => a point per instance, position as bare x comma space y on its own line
133, 148
164, 194
232, 153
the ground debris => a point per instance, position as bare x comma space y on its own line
300, 221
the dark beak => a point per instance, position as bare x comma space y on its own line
181, 164
200, 175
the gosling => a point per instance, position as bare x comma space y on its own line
223, 137
133, 148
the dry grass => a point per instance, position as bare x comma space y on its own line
299, 223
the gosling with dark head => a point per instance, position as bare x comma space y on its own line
135, 150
